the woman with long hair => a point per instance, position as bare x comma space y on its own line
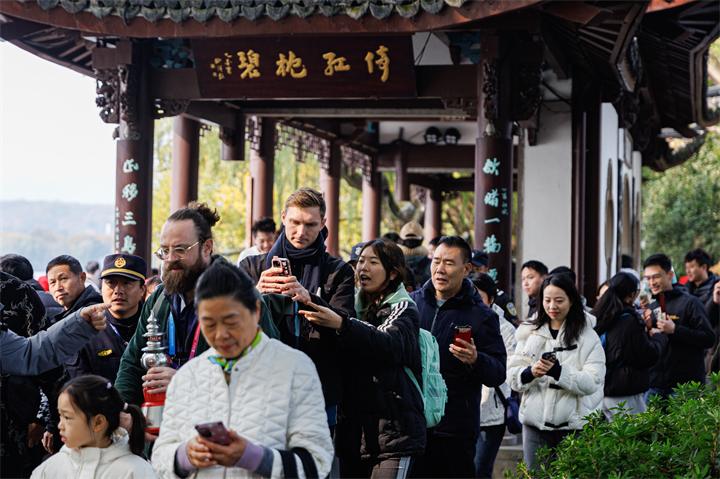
382, 423
559, 365
630, 349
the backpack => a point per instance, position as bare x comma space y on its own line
434, 390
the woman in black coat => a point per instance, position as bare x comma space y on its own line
381, 423
630, 349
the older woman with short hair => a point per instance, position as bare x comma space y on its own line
268, 395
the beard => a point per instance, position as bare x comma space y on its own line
183, 281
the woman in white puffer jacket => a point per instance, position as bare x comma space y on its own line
557, 395
267, 394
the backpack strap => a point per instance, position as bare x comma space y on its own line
502, 397
414, 380
289, 465
158, 303
307, 461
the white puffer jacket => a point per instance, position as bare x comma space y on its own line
547, 402
274, 400
492, 411
115, 461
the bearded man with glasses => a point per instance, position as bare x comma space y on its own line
186, 250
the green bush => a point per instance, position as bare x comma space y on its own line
675, 438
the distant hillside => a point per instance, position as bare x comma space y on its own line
41, 230
66, 219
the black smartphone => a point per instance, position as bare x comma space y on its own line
549, 356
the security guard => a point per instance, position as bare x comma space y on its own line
123, 287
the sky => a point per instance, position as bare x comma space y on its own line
53, 144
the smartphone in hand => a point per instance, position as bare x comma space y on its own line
464, 333
549, 356
214, 432
283, 263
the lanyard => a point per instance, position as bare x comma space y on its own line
171, 342
117, 332
297, 325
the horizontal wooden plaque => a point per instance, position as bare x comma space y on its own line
305, 67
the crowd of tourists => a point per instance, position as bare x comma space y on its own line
406, 361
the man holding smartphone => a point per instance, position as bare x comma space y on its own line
448, 303
314, 276
686, 325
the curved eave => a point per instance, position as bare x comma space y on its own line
316, 24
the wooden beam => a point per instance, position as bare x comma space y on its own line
213, 113
430, 158
17, 28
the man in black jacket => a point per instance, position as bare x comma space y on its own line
67, 285
314, 273
685, 324
701, 280
446, 302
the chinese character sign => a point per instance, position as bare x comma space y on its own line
305, 67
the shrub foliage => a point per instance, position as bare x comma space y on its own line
675, 438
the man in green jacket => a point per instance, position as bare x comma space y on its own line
186, 246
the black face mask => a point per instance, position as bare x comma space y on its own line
411, 243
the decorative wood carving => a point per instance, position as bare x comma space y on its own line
168, 108
107, 88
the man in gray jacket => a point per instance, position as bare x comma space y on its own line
49, 349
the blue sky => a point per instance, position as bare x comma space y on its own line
53, 144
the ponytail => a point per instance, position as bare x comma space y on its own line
136, 441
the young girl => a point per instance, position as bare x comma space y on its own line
95, 444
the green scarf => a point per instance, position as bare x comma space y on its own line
227, 364
399, 295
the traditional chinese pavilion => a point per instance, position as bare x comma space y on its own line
561, 102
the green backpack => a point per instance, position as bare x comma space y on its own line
434, 391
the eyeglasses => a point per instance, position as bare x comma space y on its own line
654, 277
179, 252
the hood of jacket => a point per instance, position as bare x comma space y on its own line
399, 295
525, 329
100, 456
705, 285
418, 251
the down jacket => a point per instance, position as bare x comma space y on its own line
382, 408
492, 411
113, 462
274, 399
552, 405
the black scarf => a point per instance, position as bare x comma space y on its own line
310, 261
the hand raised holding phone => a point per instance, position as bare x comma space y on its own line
215, 445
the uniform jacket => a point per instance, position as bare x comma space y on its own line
382, 408
704, 291
683, 360
114, 462
552, 405
128, 380
89, 297
507, 306
273, 400
464, 383
319, 343
492, 411
101, 356
629, 353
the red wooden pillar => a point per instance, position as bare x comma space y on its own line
494, 164
433, 214
185, 162
372, 201
330, 187
134, 171
262, 169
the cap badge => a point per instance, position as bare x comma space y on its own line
120, 262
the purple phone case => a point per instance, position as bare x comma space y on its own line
219, 434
